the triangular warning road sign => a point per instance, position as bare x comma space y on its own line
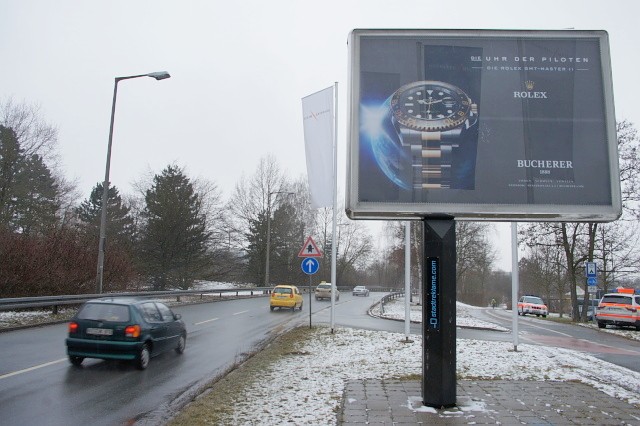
310, 249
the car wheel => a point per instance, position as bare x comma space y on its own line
76, 360
142, 360
182, 343
301, 305
272, 308
544, 316
602, 325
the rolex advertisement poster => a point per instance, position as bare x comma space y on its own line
478, 124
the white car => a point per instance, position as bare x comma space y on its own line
532, 305
323, 291
621, 309
360, 290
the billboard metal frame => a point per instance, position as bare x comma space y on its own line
377, 63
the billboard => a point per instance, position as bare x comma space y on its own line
481, 125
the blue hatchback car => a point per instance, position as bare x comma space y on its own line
129, 329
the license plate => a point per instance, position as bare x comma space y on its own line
100, 331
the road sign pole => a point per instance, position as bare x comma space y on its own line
309, 301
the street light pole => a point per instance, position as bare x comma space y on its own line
266, 262
105, 185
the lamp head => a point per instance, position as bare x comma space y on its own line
160, 75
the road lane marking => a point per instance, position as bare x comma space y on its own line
205, 321
570, 342
35, 367
548, 329
241, 312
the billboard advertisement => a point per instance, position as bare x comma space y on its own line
481, 125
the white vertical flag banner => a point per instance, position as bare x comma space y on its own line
317, 119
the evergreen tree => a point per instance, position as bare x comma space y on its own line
256, 250
120, 224
10, 153
287, 236
37, 198
29, 195
175, 236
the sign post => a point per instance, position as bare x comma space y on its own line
439, 314
477, 124
310, 264
591, 270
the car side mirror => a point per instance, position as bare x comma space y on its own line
177, 316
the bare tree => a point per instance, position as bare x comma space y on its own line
35, 135
474, 259
578, 240
255, 195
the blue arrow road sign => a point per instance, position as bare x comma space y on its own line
592, 281
310, 265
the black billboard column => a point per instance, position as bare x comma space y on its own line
439, 314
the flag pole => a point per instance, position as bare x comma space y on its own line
334, 246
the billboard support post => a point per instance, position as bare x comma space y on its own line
439, 314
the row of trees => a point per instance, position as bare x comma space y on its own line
176, 230
173, 231
556, 252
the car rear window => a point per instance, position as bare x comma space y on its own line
104, 312
324, 286
624, 300
283, 290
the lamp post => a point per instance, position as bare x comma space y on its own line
266, 262
161, 75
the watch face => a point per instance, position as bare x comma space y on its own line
430, 106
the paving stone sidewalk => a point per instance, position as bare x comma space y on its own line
389, 402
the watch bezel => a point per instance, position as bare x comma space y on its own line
430, 125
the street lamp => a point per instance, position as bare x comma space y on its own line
161, 75
266, 263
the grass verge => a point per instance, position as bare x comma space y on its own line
215, 404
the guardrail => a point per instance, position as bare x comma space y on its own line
16, 303
10, 304
388, 297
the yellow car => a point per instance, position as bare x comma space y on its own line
285, 296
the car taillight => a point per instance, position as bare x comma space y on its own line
291, 296
132, 331
73, 327
633, 309
273, 294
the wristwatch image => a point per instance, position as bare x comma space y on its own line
431, 118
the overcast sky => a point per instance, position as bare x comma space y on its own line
238, 72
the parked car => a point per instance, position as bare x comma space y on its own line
124, 328
360, 290
285, 296
621, 309
323, 291
532, 305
